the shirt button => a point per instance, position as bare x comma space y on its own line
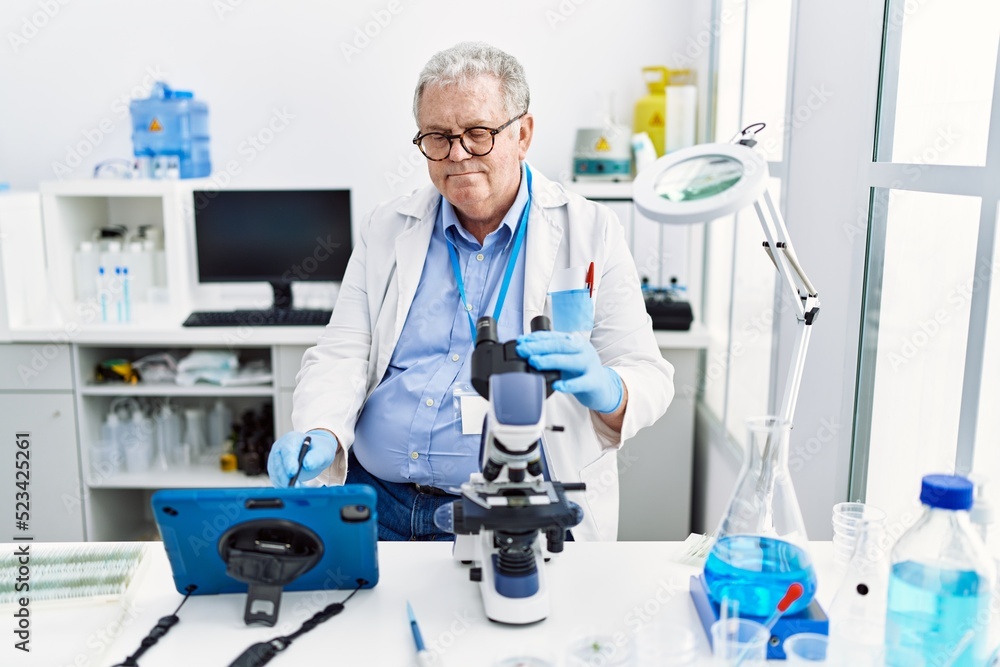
480, 257
468, 307
414, 455
454, 357
429, 402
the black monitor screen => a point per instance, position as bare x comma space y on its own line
276, 236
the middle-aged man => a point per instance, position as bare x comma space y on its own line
380, 394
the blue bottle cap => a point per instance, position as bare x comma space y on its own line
949, 492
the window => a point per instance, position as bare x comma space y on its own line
929, 375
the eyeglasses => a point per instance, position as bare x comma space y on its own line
477, 141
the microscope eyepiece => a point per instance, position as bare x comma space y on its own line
486, 331
540, 323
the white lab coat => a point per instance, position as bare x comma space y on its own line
564, 230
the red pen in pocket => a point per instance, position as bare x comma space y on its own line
590, 279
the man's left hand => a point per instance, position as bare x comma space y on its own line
582, 374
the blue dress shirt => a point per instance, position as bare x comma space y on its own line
410, 428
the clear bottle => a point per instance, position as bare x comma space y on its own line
110, 287
168, 437
760, 545
138, 443
220, 421
140, 265
86, 262
857, 612
108, 454
941, 581
195, 435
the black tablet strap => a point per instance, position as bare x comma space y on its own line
161, 628
262, 652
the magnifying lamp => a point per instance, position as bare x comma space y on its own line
709, 181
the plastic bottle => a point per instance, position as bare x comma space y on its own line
857, 612
940, 582
103, 292
195, 436
138, 443
111, 290
682, 110
111, 436
168, 437
140, 268
220, 421
86, 261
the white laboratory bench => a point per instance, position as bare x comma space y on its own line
605, 588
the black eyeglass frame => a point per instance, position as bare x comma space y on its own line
494, 131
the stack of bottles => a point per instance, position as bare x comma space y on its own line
140, 436
925, 600
118, 271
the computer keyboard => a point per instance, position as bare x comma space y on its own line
254, 318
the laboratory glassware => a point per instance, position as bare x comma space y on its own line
857, 613
760, 545
940, 582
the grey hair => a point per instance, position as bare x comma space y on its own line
466, 61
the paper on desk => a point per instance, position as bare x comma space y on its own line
694, 550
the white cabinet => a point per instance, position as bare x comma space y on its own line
655, 467
37, 411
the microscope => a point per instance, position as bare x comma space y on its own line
504, 510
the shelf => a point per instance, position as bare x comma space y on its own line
110, 187
601, 190
212, 390
193, 477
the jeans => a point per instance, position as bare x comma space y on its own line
403, 513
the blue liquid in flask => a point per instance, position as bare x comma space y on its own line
757, 571
930, 612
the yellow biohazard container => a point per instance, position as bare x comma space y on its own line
651, 110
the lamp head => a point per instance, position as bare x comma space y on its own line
700, 183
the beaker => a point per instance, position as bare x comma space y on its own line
760, 546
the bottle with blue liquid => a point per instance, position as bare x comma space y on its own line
760, 546
941, 581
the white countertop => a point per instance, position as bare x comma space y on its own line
136, 334
604, 587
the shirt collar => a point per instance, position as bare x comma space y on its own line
503, 234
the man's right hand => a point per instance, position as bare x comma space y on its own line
283, 461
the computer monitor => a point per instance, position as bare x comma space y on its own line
274, 236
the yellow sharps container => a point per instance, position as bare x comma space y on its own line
651, 110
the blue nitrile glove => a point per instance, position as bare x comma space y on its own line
283, 461
582, 374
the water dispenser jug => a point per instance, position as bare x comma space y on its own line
170, 132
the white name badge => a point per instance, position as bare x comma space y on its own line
473, 409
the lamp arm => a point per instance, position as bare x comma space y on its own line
803, 294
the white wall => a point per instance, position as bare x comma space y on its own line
66, 84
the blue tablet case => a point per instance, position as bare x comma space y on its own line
191, 521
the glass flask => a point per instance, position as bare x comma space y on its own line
857, 613
760, 545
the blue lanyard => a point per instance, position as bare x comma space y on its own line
522, 225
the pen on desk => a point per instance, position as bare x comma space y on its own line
590, 279
303, 450
424, 657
